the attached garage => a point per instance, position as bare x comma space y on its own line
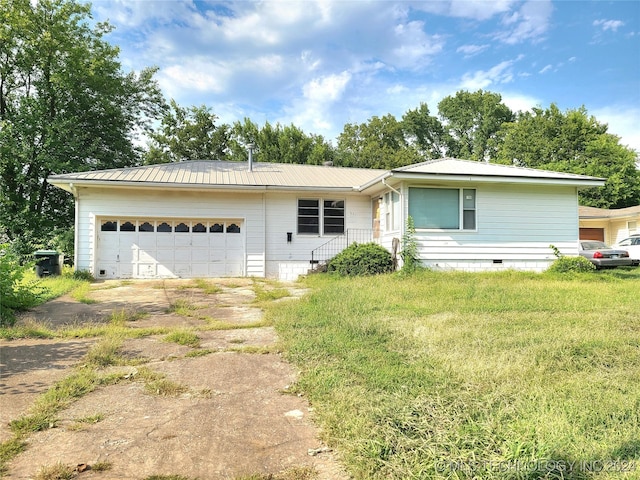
169, 247
592, 234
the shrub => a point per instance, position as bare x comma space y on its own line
409, 252
571, 264
361, 259
15, 294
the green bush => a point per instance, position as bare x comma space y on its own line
361, 259
571, 264
15, 293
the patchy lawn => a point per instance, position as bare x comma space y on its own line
456, 375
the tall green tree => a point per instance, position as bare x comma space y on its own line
188, 134
378, 143
426, 133
472, 120
279, 144
573, 142
65, 105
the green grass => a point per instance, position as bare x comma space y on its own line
267, 291
206, 286
183, 337
454, 375
182, 306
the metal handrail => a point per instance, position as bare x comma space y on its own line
330, 249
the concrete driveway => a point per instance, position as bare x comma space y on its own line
232, 416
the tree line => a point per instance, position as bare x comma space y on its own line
66, 105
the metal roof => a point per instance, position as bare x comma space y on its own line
454, 166
229, 174
289, 176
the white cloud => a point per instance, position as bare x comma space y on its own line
470, 50
326, 89
531, 22
519, 102
545, 69
475, 10
315, 110
608, 24
415, 47
481, 79
195, 74
623, 121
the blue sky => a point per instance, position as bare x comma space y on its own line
321, 64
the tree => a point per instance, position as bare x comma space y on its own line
472, 120
426, 133
65, 105
573, 142
275, 143
379, 143
188, 134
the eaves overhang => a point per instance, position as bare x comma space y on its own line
72, 186
530, 180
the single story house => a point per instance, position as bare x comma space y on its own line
609, 226
215, 218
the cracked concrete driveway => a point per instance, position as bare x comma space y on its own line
231, 416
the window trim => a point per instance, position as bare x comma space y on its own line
322, 208
461, 208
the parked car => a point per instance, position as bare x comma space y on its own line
603, 256
631, 245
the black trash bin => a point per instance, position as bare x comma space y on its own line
47, 263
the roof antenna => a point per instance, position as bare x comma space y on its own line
250, 147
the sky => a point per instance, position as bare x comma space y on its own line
320, 64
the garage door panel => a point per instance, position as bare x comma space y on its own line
164, 240
147, 240
198, 249
200, 240
200, 269
182, 240
182, 255
145, 256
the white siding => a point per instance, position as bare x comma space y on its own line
120, 203
288, 260
515, 226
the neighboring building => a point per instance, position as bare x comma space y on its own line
609, 226
212, 218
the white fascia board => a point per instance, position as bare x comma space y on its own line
69, 185
587, 182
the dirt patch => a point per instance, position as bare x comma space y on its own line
231, 417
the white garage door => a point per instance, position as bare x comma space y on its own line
157, 248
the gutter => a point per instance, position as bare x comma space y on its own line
72, 186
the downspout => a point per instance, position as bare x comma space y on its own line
401, 198
74, 192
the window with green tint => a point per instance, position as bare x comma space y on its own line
443, 208
435, 207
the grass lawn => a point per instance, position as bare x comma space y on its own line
457, 375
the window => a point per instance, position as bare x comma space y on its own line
182, 228
443, 208
233, 228
164, 227
199, 228
109, 226
312, 219
308, 216
333, 217
216, 228
392, 211
127, 227
145, 227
